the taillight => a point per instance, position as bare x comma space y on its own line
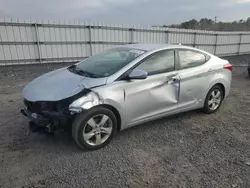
228, 66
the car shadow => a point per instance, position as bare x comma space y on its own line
161, 122
63, 141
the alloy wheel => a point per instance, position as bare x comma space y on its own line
97, 130
214, 99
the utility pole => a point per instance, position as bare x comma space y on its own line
215, 19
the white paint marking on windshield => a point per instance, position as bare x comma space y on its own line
137, 51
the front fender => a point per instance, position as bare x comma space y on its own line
100, 96
120, 109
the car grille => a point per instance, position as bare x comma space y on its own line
38, 106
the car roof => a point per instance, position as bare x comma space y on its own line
150, 47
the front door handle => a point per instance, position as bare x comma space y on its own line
172, 80
172, 75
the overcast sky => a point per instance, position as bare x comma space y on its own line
144, 12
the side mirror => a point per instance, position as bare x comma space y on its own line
138, 74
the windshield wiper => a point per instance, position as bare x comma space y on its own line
76, 70
88, 74
72, 68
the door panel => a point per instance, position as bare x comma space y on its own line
192, 82
154, 95
192, 78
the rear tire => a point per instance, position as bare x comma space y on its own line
89, 131
213, 99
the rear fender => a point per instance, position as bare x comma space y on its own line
220, 79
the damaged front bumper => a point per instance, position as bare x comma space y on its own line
48, 121
36, 118
37, 122
53, 115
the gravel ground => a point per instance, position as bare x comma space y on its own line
187, 150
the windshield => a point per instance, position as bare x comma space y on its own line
107, 63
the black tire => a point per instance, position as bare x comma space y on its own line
206, 108
81, 121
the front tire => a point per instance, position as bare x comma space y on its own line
93, 129
213, 99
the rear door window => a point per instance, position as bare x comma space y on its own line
190, 59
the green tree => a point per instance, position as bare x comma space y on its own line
248, 21
209, 24
191, 24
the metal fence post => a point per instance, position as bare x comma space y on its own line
16, 40
239, 43
215, 43
38, 42
131, 35
167, 37
90, 41
194, 44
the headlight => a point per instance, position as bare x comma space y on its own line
85, 102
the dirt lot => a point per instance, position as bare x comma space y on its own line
188, 150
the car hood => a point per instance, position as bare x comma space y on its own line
58, 85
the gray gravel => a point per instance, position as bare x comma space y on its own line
187, 150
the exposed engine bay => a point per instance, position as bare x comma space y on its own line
51, 115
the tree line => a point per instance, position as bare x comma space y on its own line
209, 24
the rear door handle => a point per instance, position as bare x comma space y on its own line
210, 70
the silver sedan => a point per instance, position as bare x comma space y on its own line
123, 87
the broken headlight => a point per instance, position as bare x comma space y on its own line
85, 102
